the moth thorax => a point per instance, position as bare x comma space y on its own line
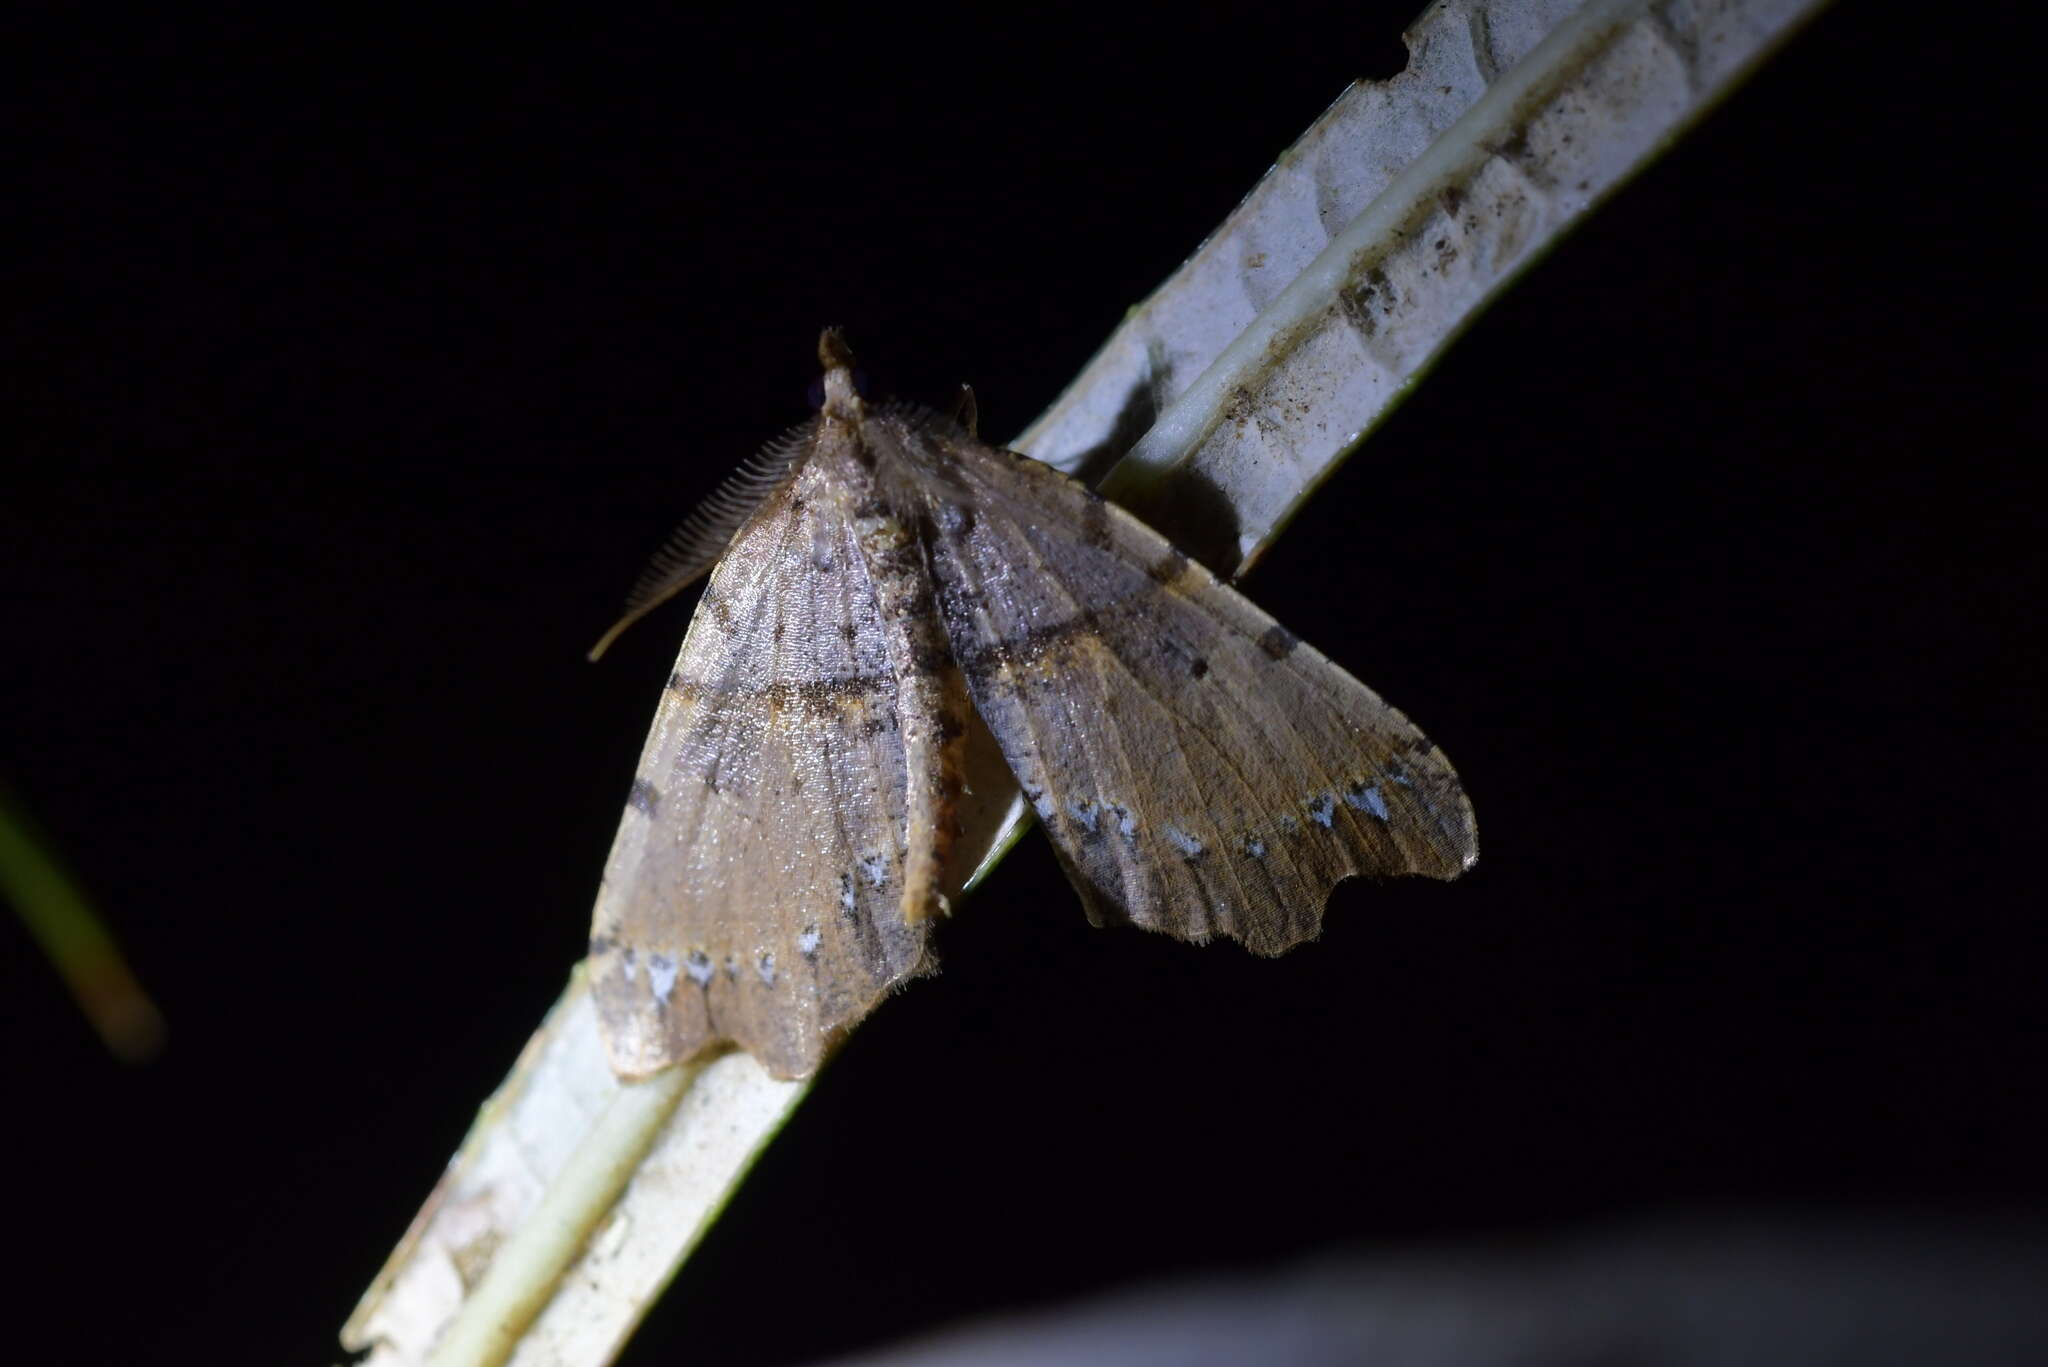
882, 534
842, 399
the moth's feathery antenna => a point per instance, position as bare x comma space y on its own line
699, 543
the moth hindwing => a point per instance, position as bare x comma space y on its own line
1199, 770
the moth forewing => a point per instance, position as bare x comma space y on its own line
1199, 770
754, 892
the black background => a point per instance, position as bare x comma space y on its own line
354, 370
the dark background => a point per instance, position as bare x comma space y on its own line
354, 370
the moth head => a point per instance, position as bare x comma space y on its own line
842, 390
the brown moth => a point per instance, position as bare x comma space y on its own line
879, 572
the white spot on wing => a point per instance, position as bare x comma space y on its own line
698, 966
1084, 812
1255, 847
1368, 799
807, 943
876, 867
661, 975
629, 964
846, 893
1321, 809
1182, 841
767, 969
